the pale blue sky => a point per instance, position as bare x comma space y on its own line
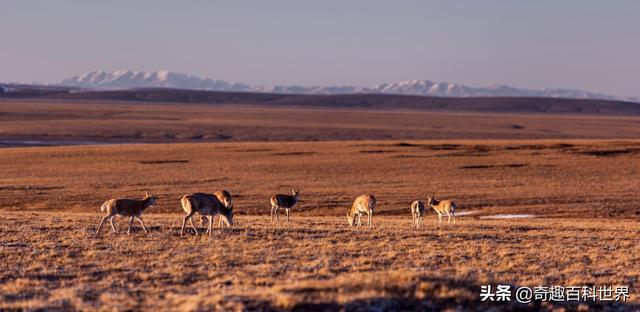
591, 45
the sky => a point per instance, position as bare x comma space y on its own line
584, 44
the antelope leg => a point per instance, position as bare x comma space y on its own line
193, 226
100, 225
142, 223
130, 223
184, 223
113, 227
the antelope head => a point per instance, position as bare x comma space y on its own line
228, 216
350, 219
431, 200
150, 198
296, 193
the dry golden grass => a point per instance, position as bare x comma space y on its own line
52, 260
184, 122
567, 178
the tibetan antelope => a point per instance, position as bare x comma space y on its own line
285, 202
206, 205
225, 198
417, 211
363, 204
443, 207
126, 207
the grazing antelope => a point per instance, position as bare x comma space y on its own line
225, 198
283, 201
126, 207
443, 207
206, 205
417, 211
363, 204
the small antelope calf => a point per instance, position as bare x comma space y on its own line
126, 207
363, 204
206, 205
225, 198
417, 211
443, 207
283, 201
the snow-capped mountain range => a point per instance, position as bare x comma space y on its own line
126, 79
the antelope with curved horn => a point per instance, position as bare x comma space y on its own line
283, 201
362, 204
441, 207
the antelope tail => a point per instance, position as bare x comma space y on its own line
185, 201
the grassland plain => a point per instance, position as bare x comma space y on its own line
553, 178
51, 261
582, 192
31, 122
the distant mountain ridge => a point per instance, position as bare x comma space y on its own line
127, 79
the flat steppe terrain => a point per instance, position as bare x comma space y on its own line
53, 261
557, 178
571, 180
32, 122
580, 195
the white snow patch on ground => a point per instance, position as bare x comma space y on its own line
465, 213
509, 216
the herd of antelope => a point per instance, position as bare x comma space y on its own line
220, 203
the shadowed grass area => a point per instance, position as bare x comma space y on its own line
63, 122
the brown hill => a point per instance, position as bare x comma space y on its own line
377, 101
